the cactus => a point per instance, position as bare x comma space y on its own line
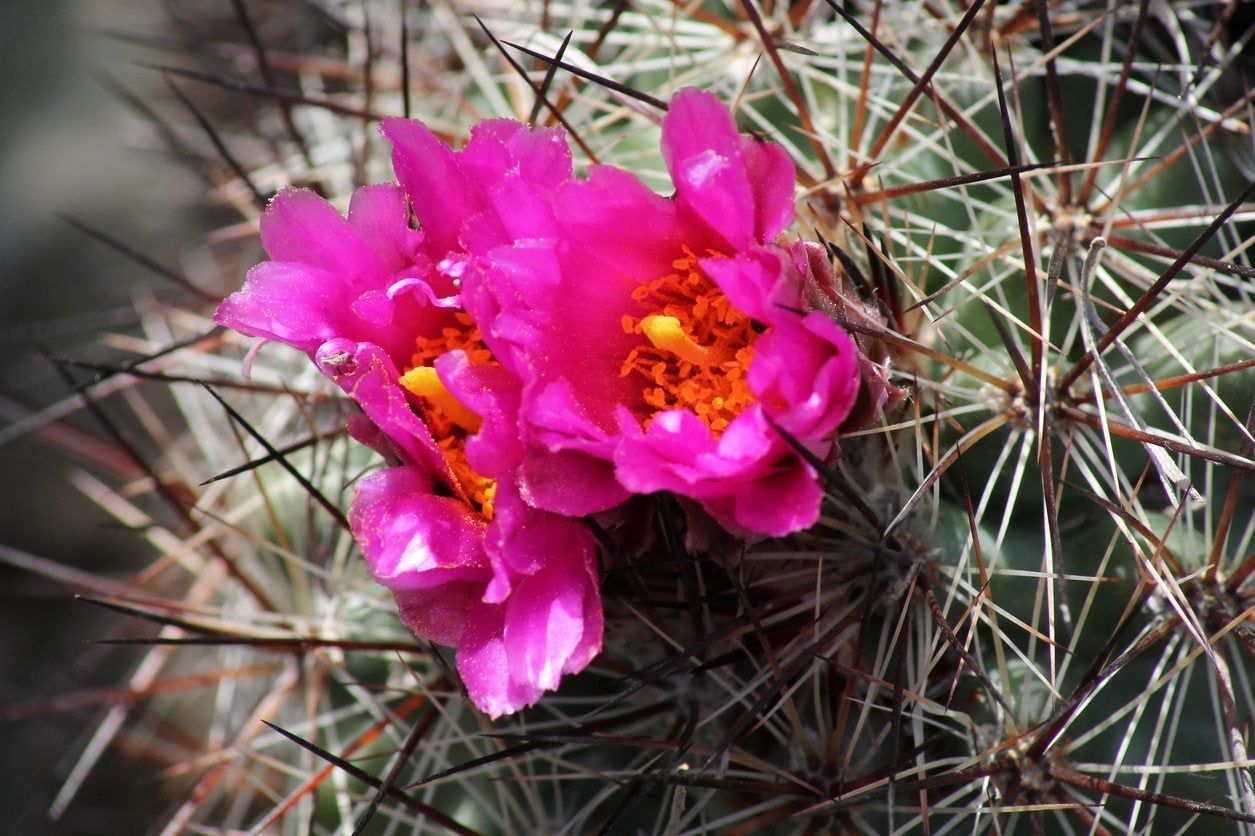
1027, 606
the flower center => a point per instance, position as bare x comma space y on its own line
449, 421
699, 346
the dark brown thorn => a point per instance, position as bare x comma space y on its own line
1124, 243
864, 83
932, 353
275, 645
947, 632
897, 700
636, 786
1026, 237
591, 51
833, 479
769, 652
294, 447
542, 92
1054, 99
608, 83
172, 276
268, 76
415, 736
1239, 575
1095, 784
1099, 672
540, 96
105, 372
173, 143
851, 797
1166, 383
1153, 173
1147, 437
335, 512
210, 635
1152, 293
790, 88
776, 689
1013, 351
365, 777
924, 81
405, 57
893, 192
1230, 504
1113, 108
127, 695
154, 617
644, 712
668, 513
1133, 522
952, 113
228, 83
212, 133
167, 493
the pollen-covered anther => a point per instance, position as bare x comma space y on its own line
697, 348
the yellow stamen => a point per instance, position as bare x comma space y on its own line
448, 418
699, 346
424, 382
667, 334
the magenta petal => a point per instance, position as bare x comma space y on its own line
704, 154
498, 147
546, 620
375, 309
381, 217
772, 177
442, 195
300, 226
753, 282
292, 303
677, 453
806, 370
423, 293
438, 614
593, 212
782, 503
523, 540
493, 394
570, 482
413, 539
524, 210
485, 666
368, 376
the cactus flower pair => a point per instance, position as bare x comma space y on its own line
540, 349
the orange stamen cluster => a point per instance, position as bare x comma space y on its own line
449, 421
698, 347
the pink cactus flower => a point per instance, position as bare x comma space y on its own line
375, 303
541, 348
665, 343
